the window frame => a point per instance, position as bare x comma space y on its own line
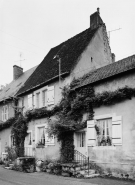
37, 138
12, 140
5, 115
44, 97
38, 99
105, 132
51, 89
30, 101
91, 132
29, 145
81, 139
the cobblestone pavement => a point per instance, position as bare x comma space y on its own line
10, 177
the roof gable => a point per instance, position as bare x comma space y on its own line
11, 89
69, 52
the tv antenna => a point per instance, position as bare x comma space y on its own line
20, 55
112, 31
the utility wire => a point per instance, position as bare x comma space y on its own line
19, 48
21, 39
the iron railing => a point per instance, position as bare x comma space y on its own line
82, 160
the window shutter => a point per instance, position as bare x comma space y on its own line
91, 135
6, 112
50, 95
117, 130
3, 114
30, 101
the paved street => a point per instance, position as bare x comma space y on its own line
9, 177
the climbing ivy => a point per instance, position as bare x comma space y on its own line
19, 130
68, 115
70, 118
7, 123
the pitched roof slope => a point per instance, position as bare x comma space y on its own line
11, 89
107, 71
69, 52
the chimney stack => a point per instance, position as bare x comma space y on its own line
95, 20
113, 57
17, 72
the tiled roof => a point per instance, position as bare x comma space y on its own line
11, 89
107, 71
69, 52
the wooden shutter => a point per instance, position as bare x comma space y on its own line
117, 130
50, 95
3, 114
91, 134
6, 112
30, 101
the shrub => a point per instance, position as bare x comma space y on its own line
11, 153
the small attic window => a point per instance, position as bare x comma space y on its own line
91, 59
7, 89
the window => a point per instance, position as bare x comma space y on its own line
42, 137
50, 95
37, 99
12, 141
41, 134
44, 98
30, 101
28, 139
104, 131
81, 139
4, 113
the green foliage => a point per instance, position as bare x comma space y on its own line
11, 153
7, 123
111, 98
72, 106
67, 147
19, 130
41, 113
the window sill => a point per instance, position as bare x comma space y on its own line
104, 148
44, 146
40, 146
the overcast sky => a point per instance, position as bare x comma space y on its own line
29, 28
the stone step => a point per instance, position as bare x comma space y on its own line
91, 175
90, 172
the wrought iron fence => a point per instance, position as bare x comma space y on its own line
82, 160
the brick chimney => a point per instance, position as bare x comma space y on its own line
17, 72
113, 57
95, 20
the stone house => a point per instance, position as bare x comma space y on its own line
85, 52
114, 116
8, 106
